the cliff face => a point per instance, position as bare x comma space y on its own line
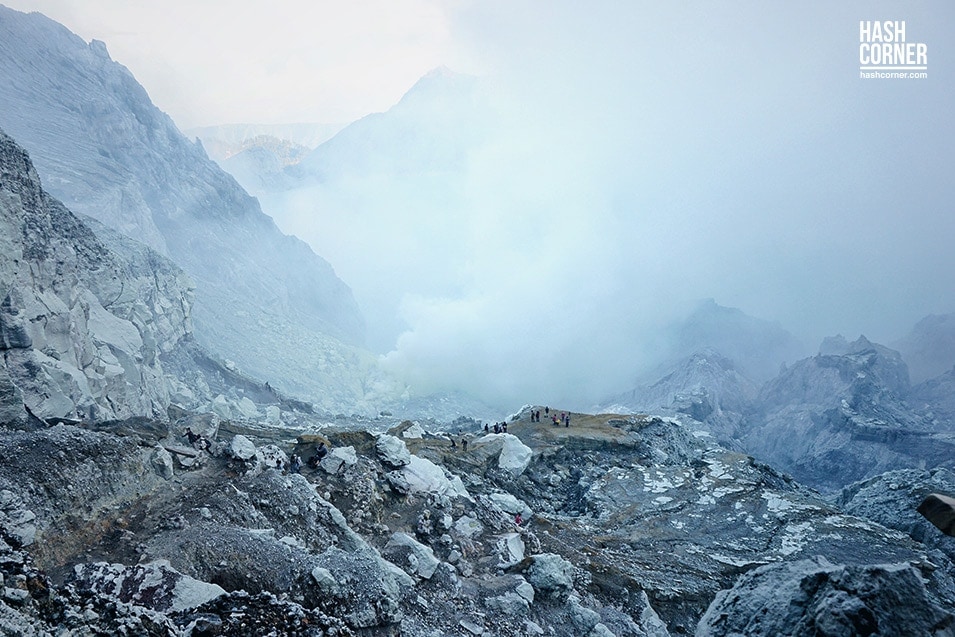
844, 415
263, 299
81, 329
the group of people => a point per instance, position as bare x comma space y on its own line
564, 419
499, 428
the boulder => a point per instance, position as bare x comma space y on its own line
325, 581
339, 458
162, 462
815, 597
510, 548
413, 556
246, 409
392, 451
511, 505
241, 448
271, 456
424, 476
551, 576
221, 407
939, 510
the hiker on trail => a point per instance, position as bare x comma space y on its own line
485, 428
504, 427
567, 421
497, 429
295, 464
464, 443
193, 437
518, 519
554, 419
537, 415
454, 445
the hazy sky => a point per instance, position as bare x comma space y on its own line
655, 153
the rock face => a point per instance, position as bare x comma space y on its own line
83, 328
814, 597
842, 416
263, 299
707, 387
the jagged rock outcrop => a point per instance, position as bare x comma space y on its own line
816, 597
844, 416
706, 387
893, 499
83, 328
263, 299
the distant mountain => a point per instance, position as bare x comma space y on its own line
263, 299
929, 349
226, 140
757, 347
705, 386
430, 129
845, 415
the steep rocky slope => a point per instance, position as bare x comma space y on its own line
82, 328
106, 151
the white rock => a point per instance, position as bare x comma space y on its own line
421, 559
413, 432
468, 527
392, 451
510, 504
161, 461
273, 415
338, 458
241, 448
515, 456
325, 580
526, 591
246, 408
511, 549
271, 456
221, 407
424, 476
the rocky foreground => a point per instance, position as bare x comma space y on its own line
630, 526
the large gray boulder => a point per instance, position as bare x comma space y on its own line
551, 576
815, 597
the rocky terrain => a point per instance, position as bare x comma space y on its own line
629, 526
